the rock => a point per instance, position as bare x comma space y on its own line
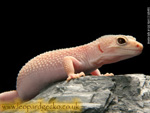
128, 93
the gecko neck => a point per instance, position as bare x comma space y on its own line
93, 55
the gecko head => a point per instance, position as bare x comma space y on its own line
118, 47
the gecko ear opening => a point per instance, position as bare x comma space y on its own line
121, 41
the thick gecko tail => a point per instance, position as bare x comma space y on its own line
10, 96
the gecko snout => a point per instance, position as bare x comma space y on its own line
139, 46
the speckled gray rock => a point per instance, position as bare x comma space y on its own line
128, 93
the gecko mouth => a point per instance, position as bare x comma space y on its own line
134, 51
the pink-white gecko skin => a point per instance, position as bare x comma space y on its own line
55, 65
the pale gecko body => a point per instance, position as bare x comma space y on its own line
74, 62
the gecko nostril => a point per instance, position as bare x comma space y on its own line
137, 45
140, 47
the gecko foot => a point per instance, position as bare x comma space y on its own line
73, 76
108, 74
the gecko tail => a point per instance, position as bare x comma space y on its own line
9, 96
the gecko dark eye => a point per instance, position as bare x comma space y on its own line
121, 41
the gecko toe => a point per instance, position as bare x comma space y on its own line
108, 74
74, 76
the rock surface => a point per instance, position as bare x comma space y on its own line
128, 93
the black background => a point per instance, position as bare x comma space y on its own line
29, 29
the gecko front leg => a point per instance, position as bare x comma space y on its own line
108, 74
98, 73
71, 64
